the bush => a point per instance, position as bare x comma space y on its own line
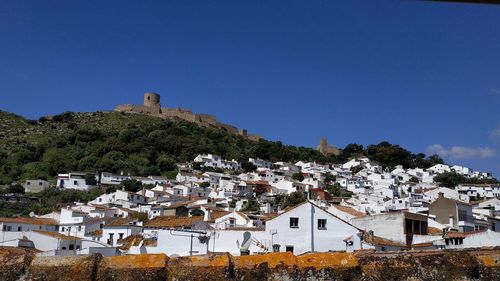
298, 176
290, 200
131, 185
250, 206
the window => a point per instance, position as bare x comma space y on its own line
19, 228
294, 222
289, 249
120, 236
276, 247
322, 224
71, 246
9, 228
493, 226
75, 182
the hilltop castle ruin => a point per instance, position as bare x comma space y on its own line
153, 107
326, 149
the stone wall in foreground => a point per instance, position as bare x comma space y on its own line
484, 264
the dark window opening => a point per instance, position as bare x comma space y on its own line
294, 222
321, 224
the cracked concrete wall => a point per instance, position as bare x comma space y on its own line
482, 264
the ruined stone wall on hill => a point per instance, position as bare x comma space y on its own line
130, 108
181, 113
484, 264
206, 120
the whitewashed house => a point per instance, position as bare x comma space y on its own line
119, 229
259, 163
439, 169
110, 179
215, 161
121, 198
34, 186
308, 228
232, 220
73, 180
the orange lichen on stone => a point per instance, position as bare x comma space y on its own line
59, 268
272, 260
136, 261
209, 261
490, 260
325, 260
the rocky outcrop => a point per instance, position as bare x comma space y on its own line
482, 264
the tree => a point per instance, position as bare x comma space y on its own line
334, 190
232, 204
205, 184
414, 179
356, 169
251, 206
298, 176
248, 167
449, 179
290, 200
16, 188
90, 179
197, 166
329, 178
132, 185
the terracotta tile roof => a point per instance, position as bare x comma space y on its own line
245, 229
454, 235
95, 233
121, 222
269, 216
217, 213
128, 210
57, 235
375, 240
168, 222
180, 204
91, 221
434, 231
349, 211
37, 221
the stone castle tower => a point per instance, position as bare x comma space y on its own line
153, 107
152, 101
325, 149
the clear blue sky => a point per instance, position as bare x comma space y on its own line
420, 74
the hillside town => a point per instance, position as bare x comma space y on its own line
218, 205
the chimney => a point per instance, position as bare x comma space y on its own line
451, 221
208, 214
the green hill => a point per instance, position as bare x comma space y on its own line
145, 145
115, 142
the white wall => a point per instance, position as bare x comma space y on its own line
307, 237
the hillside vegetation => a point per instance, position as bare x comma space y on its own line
144, 145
